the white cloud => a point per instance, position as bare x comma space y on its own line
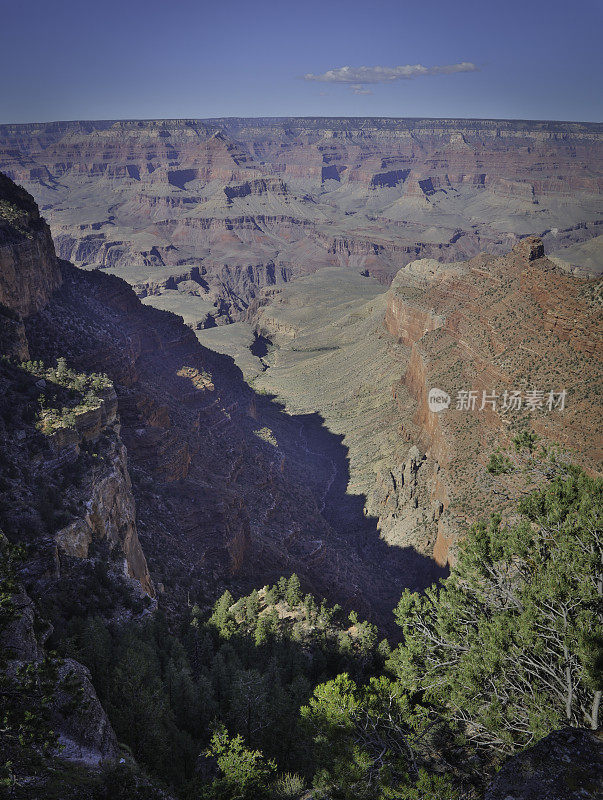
357, 77
358, 88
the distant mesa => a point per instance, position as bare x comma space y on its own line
235, 195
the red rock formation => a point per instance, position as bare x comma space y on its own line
494, 324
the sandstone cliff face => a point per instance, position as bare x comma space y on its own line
29, 272
69, 486
493, 325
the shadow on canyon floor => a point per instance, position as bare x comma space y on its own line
218, 503
364, 572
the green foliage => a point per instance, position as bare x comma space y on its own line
249, 667
66, 377
10, 556
428, 786
67, 393
499, 464
293, 594
289, 786
143, 678
222, 616
15, 218
244, 774
505, 648
366, 739
27, 688
525, 440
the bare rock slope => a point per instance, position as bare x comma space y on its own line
565, 765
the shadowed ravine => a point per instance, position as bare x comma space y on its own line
217, 503
382, 571
364, 572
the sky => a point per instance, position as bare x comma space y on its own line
141, 59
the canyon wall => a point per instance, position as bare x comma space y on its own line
72, 473
29, 276
366, 360
257, 202
493, 326
29, 272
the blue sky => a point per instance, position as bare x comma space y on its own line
185, 58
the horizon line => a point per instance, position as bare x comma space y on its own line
303, 117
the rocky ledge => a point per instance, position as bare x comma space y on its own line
566, 765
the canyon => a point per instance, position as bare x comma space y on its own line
222, 486
328, 273
247, 318
219, 208
365, 359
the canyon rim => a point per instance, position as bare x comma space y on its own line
301, 347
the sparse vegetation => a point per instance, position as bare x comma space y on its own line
499, 464
82, 393
15, 217
266, 435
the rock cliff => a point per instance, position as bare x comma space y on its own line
29, 272
85, 737
493, 325
256, 202
53, 443
65, 491
109, 515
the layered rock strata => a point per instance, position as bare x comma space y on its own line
256, 202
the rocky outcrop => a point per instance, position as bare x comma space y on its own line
260, 186
491, 325
18, 638
29, 276
110, 517
13, 341
565, 765
406, 503
29, 272
85, 735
